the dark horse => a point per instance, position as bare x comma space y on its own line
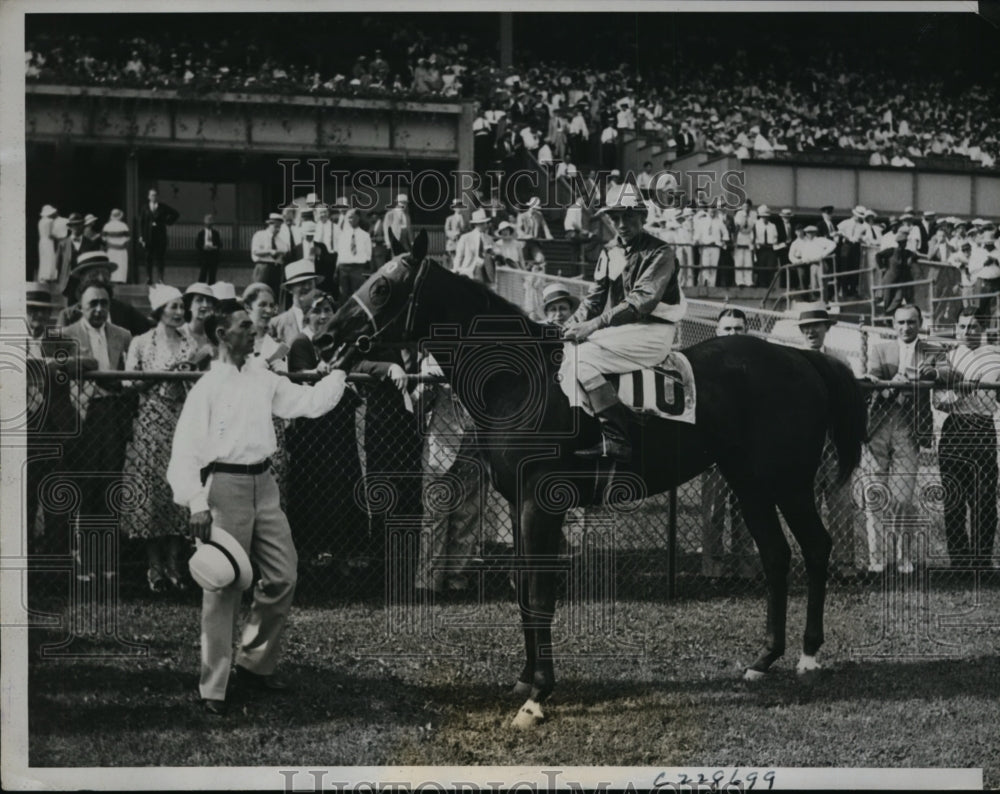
763, 413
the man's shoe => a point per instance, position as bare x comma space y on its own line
214, 708
267, 683
614, 441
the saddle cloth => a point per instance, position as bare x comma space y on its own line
668, 391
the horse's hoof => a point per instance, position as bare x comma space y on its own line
754, 675
521, 689
529, 716
807, 664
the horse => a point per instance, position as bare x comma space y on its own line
762, 415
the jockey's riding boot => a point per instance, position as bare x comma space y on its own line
614, 418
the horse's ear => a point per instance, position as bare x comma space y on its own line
395, 246
419, 247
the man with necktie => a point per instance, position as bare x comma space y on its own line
354, 255
269, 250
900, 423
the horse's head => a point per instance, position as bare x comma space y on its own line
376, 312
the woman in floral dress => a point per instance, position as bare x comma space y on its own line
156, 519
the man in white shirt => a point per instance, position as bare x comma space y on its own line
473, 247
268, 250
852, 231
354, 255
290, 233
644, 179
609, 146
711, 235
810, 252
326, 229
220, 470
967, 449
744, 222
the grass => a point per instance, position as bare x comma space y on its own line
652, 684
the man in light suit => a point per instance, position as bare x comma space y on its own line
471, 253
95, 459
397, 220
900, 423
300, 280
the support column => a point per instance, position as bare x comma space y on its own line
465, 138
506, 39
131, 209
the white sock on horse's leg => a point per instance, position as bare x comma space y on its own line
807, 664
529, 715
521, 689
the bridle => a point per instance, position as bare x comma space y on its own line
364, 343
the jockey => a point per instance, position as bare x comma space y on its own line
626, 322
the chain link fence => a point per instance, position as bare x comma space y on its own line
388, 495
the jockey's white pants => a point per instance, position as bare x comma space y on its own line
621, 348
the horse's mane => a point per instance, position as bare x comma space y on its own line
487, 301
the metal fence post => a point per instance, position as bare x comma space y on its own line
672, 546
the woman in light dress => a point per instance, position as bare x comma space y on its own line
116, 239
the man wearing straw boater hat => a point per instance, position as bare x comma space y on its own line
627, 320
96, 268
220, 469
300, 280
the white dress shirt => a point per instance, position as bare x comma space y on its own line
227, 418
99, 345
362, 247
907, 355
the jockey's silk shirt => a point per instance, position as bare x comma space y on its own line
634, 284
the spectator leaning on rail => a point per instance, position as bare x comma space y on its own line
96, 268
814, 322
220, 470
967, 449
900, 424
628, 320
156, 519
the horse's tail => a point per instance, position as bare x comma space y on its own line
848, 420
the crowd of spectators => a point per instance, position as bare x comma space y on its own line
790, 103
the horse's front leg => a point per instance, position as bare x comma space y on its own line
538, 546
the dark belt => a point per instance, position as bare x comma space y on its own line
235, 468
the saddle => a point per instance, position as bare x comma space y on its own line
666, 390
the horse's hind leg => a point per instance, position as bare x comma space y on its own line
775, 554
799, 509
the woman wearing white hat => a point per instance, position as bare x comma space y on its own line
155, 518
454, 228
48, 269
92, 240
116, 237
508, 248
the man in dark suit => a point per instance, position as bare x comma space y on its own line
926, 227
154, 218
900, 423
208, 244
95, 268
51, 417
826, 227
95, 459
67, 251
785, 237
